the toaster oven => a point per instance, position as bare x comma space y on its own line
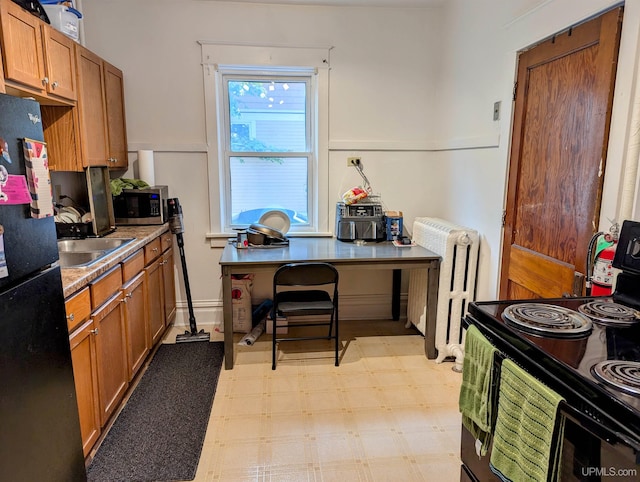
141, 206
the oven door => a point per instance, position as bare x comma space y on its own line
586, 457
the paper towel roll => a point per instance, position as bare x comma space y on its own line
146, 170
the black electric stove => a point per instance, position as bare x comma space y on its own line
587, 350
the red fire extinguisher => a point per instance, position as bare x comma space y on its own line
602, 275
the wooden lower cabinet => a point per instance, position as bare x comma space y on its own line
111, 355
169, 287
155, 286
137, 323
114, 323
85, 373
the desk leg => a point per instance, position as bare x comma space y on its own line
227, 313
395, 295
432, 310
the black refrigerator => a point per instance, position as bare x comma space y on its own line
39, 427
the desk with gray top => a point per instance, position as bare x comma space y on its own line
370, 256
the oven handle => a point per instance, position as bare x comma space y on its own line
593, 426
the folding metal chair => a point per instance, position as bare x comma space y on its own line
309, 301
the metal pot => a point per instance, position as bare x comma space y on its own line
259, 234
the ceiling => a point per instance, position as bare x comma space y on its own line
348, 3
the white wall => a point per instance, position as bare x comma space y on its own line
411, 92
480, 45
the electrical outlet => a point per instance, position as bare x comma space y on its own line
353, 161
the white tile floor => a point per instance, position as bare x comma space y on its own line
385, 414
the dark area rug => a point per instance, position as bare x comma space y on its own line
158, 435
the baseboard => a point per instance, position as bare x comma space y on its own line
208, 314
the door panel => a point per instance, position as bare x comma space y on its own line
559, 142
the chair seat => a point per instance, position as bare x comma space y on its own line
302, 308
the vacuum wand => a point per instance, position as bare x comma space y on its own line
177, 227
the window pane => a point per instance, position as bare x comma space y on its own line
262, 183
267, 116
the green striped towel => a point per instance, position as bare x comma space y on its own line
475, 392
527, 440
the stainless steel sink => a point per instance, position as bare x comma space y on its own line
91, 244
79, 260
80, 253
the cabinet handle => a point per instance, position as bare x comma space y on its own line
163, 262
45, 81
54, 84
154, 249
124, 300
129, 295
94, 331
70, 317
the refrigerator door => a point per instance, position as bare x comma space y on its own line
40, 430
29, 244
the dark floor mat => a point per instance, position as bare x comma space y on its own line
158, 435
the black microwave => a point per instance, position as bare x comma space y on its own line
141, 206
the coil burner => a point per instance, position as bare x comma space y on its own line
547, 320
623, 375
608, 313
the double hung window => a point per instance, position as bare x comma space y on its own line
268, 146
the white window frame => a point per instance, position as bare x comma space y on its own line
222, 58
278, 75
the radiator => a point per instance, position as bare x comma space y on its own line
458, 246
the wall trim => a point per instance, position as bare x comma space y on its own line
477, 142
352, 307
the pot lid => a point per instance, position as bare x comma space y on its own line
267, 231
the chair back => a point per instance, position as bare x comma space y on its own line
305, 274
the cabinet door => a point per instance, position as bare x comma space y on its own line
85, 374
116, 124
111, 355
169, 287
22, 46
155, 287
93, 119
60, 64
138, 345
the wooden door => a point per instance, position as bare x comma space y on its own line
562, 113
116, 125
22, 46
60, 63
85, 374
93, 119
111, 356
156, 300
169, 286
138, 346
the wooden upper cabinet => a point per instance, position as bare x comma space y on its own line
91, 106
116, 125
60, 63
37, 58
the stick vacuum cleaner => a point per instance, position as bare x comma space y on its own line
174, 211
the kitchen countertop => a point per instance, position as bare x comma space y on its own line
73, 279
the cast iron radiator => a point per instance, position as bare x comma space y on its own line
458, 246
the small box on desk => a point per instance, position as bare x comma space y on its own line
394, 224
